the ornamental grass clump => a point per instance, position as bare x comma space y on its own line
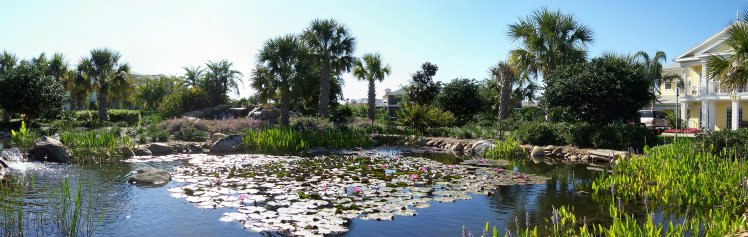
507, 149
97, 146
288, 140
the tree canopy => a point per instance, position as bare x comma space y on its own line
423, 90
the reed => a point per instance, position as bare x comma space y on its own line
287, 140
507, 149
98, 146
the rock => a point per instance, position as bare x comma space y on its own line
317, 151
150, 176
481, 147
537, 151
557, 151
601, 158
573, 158
194, 148
127, 152
457, 146
49, 149
159, 149
231, 143
3, 164
549, 148
142, 151
216, 136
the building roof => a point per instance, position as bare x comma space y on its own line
388, 92
705, 48
378, 102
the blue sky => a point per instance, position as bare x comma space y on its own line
463, 38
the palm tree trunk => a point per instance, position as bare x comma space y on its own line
324, 87
372, 100
506, 89
284, 103
101, 101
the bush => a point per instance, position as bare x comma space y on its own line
440, 118
732, 141
576, 134
461, 98
302, 123
340, 113
226, 126
190, 133
182, 101
537, 133
421, 117
90, 118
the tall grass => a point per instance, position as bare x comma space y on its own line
98, 146
287, 140
64, 211
507, 149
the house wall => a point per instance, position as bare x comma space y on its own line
694, 74
693, 116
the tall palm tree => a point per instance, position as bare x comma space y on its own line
732, 71
193, 75
371, 69
506, 75
264, 83
279, 57
548, 39
333, 46
107, 76
222, 78
58, 68
653, 67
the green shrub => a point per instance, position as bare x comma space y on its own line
733, 141
90, 118
182, 101
421, 117
341, 113
301, 123
537, 133
576, 134
190, 133
440, 118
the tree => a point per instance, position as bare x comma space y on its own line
108, 77
28, 90
506, 77
607, 89
220, 79
423, 89
370, 69
281, 57
151, 93
732, 71
8, 61
333, 46
193, 76
461, 98
548, 39
653, 66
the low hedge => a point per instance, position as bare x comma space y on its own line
131, 117
615, 136
732, 141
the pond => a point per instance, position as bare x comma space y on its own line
432, 206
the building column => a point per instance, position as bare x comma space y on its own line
706, 84
712, 115
735, 112
684, 113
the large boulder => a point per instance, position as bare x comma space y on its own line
49, 149
216, 136
537, 151
142, 151
150, 176
159, 149
231, 143
481, 147
127, 152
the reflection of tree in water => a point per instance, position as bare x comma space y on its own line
539, 200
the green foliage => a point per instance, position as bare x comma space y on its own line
423, 90
23, 139
615, 136
184, 100
505, 149
190, 133
414, 116
733, 141
290, 141
96, 146
607, 89
461, 98
28, 90
150, 94
301, 123
220, 79
340, 113
88, 118
538, 133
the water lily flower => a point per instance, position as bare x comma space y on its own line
413, 176
242, 197
217, 182
424, 169
384, 166
324, 187
499, 170
451, 166
356, 190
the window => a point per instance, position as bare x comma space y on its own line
728, 117
668, 86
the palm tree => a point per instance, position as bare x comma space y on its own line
653, 67
732, 71
279, 58
193, 76
264, 83
333, 46
548, 39
222, 78
108, 77
372, 71
8, 61
506, 75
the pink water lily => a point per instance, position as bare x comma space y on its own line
424, 169
451, 166
324, 187
242, 197
356, 190
384, 166
413, 176
498, 170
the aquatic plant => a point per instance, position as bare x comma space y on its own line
98, 146
23, 138
507, 149
287, 140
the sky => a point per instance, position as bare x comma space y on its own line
463, 38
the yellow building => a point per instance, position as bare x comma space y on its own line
701, 102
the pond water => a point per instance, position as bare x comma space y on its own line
139, 211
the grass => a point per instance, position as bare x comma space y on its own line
507, 149
98, 146
287, 140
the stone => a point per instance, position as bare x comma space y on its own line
457, 146
557, 151
159, 149
150, 176
537, 151
231, 143
216, 136
549, 148
194, 148
573, 158
49, 149
481, 147
127, 152
142, 151
317, 151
